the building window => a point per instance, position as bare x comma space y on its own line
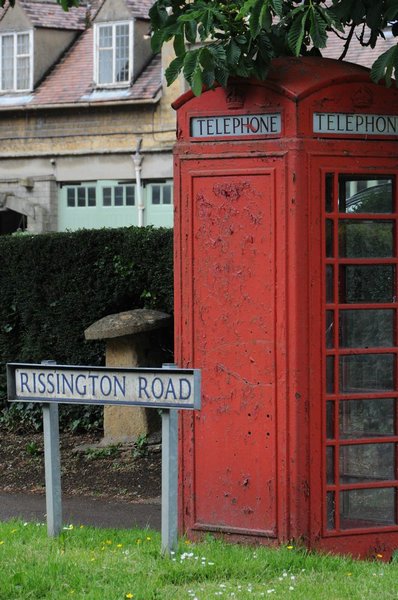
81, 196
113, 53
121, 194
16, 61
160, 193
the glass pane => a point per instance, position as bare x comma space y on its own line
91, 196
330, 374
366, 328
367, 462
23, 73
329, 238
118, 195
367, 418
358, 195
130, 195
331, 510
70, 195
329, 284
330, 465
366, 239
7, 62
329, 192
22, 43
122, 52
366, 283
156, 194
330, 420
81, 196
329, 329
105, 36
366, 373
105, 69
367, 508
167, 194
107, 196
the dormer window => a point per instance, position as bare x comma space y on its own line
16, 61
113, 53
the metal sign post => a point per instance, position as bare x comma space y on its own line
168, 388
169, 480
52, 466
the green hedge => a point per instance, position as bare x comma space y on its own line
53, 286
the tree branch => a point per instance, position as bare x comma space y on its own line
348, 41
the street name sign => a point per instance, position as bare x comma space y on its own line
152, 388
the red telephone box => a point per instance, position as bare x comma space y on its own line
286, 275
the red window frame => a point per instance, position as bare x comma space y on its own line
331, 480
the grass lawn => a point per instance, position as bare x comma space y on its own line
103, 564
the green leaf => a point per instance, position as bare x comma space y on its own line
191, 60
278, 7
219, 54
157, 40
246, 9
197, 82
222, 76
174, 69
318, 29
391, 10
265, 17
191, 29
255, 21
179, 45
233, 52
265, 48
374, 15
296, 33
158, 15
383, 67
208, 77
206, 58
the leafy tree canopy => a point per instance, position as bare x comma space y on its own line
216, 39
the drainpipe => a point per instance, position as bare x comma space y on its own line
137, 159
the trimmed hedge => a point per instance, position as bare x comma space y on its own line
53, 286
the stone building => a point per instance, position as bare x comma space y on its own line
86, 126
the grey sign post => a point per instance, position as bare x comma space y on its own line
169, 388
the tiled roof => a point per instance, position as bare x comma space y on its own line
72, 76
139, 8
51, 15
71, 81
360, 55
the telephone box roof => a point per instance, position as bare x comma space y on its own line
297, 78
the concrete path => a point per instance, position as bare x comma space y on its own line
83, 511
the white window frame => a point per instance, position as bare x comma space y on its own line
14, 35
113, 25
161, 185
99, 187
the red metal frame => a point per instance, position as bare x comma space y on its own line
365, 540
